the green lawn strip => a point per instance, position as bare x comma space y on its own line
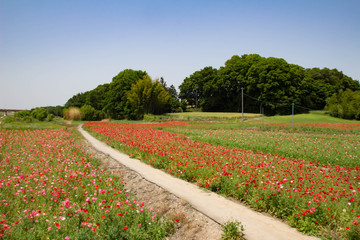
312, 117
214, 116
32, 125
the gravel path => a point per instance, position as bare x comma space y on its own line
217, 208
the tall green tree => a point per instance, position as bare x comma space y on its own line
55, 110
174, 102
232, 78
117, 104
344, 104
274, 84
147, 96
89, 113
269, 83
77, 100
326, 82
192, 88
97, 97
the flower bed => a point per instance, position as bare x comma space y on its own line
316, 199
51, 189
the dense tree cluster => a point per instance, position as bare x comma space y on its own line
130, 95
270, 83
147, 97
57, 111
344, 104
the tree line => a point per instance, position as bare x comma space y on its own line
271, 83
344, 104
264, 84
130, 95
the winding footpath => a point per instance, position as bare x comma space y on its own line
257, 226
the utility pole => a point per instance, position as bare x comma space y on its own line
242, 104
292, 119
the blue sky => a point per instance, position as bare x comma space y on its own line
52, 50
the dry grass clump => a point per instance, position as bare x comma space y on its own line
72, 113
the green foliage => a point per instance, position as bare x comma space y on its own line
345, 104
50, 117
183, 105
147, 96
232, 230
174, 105
311, 117
7, 119
111, 100
22, 114
328, 82
27, 122
117, 104
150, 118
55, 110
174, 102
77, 100
269, 83
88, 113
211, 116
97, 97
193, 87
39, 113
33, 124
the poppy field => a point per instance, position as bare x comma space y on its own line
51, 189
341, 149
318, 197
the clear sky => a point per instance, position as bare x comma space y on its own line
52, 50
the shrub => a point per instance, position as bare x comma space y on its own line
99, 115
88, 113
7, 119
27, 119
232, 230
150, 118
345, 104
50, 117
55, 110
39, 113
22, 114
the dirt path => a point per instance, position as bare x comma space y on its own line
217, 208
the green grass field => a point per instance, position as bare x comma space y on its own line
32, 125
312, 117
212, 116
